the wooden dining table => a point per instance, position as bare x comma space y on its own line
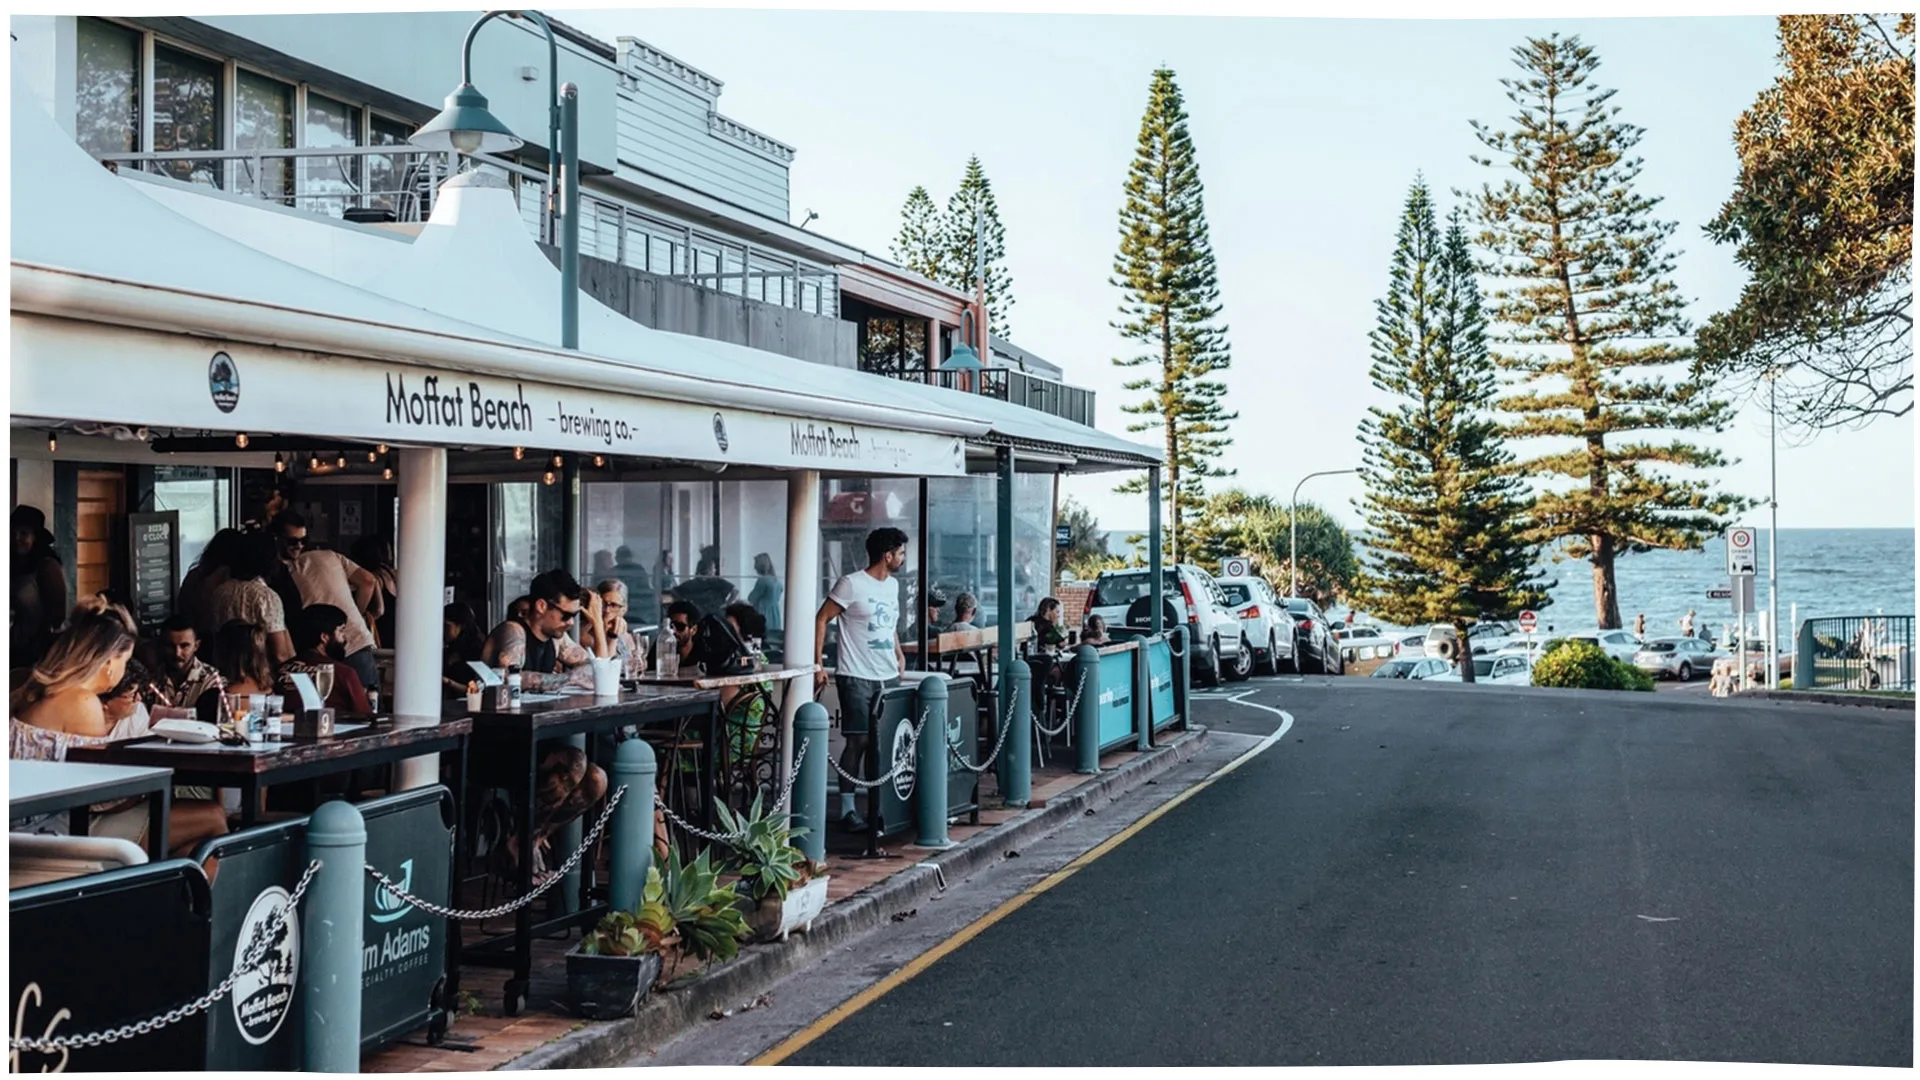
284, 758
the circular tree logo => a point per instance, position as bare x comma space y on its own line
263, 994
903, 761
223, 382
720, 432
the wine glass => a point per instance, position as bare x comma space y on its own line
323, 682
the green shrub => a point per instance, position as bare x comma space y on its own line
1579, 665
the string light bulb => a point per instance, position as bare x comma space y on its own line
519, 453
313, 463
240, 440
599, 461
340, 462
372, 456
53, 443
386, 473
547, 478
557, 463
279, 463
382, 449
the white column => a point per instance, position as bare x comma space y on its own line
803, 572
422, 569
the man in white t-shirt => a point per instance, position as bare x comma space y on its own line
867, 603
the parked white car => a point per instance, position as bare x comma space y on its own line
1407, 646
1421, 668
1217, 646
1502, 669
1362, 641
1619, 644
1263, 620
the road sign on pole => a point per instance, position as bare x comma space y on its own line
1740, 552
1738, 591
1528, 620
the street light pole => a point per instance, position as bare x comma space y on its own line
1773, 530
1293, 527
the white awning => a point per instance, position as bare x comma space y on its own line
125, 310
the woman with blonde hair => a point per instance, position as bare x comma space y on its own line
63, 703
621, 643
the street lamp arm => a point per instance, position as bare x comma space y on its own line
553, 79
1293, 528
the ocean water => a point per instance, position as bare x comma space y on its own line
1825, 571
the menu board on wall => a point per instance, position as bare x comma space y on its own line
155, 567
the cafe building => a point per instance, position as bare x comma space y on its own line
183, 360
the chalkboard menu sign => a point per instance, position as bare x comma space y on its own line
155, 566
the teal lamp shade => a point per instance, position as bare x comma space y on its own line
466, 126
963, 359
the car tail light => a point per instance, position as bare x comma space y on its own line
1251, 613
1306, 624
1193, 609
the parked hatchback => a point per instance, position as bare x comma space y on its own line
1218, 647
1677, 658
1314, 650
1420, 668
1263, 619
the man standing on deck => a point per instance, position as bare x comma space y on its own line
867, 603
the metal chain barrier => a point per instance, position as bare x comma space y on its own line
386, 884
173, 1016
913, 741
729, 839
1072, 707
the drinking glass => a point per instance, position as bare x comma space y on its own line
323, 682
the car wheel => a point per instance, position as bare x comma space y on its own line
1311, 663
1340, 661
1242, 663
1685, 673
1208, 674
1272, 665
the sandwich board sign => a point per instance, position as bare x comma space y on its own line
1740, 551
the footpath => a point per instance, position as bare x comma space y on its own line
863, 894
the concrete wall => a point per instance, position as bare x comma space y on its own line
664, 303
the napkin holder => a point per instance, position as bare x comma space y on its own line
313, 723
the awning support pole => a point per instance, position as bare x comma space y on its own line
422, 572
1016, 762
803, 586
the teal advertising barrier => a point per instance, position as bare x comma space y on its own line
258, 1027
1116, 699
405, 955
963, 728
1160, 687
94, 953
892, 802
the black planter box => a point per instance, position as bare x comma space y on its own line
609, 987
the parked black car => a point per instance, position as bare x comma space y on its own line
1314, 650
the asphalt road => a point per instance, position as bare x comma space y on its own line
1453, 875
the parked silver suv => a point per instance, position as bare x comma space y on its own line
1218, 643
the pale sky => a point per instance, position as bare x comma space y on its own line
1308, 132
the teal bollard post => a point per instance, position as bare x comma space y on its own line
930, 765
810, 786
1143, 695
1182, 678
1803, 670
1019, 746
567, 894
1086, 719
330, 938
635, 768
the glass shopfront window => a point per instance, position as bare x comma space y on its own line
107, 88
527, 540
204, 500
962, 524
712, 543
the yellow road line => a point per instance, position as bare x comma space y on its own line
799, 1040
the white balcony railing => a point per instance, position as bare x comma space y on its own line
397, 183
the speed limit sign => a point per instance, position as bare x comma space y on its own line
1235, 567
1740, 557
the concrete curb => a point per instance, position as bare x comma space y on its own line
1819, 697
668, 1014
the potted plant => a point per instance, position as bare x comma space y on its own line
689, 904
778, 887
613, 967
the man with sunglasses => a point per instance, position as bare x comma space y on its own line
328, 577
542, 644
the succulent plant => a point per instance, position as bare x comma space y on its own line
763, 851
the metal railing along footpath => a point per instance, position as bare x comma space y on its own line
1042, 395
397, 184
1855, 652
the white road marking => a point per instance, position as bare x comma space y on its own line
1286, 718
1656, 918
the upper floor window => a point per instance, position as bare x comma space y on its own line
188, 111
107, 88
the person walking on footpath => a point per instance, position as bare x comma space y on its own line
867, 603
1686, 624
1640, 626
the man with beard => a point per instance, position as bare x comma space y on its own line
317, 640
182, 675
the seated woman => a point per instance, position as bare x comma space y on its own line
65, 702
622, 644
1096, 632
1047, 634
461, 642
240, 656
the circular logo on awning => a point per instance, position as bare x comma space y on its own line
263, 994
720, 432
223, 382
